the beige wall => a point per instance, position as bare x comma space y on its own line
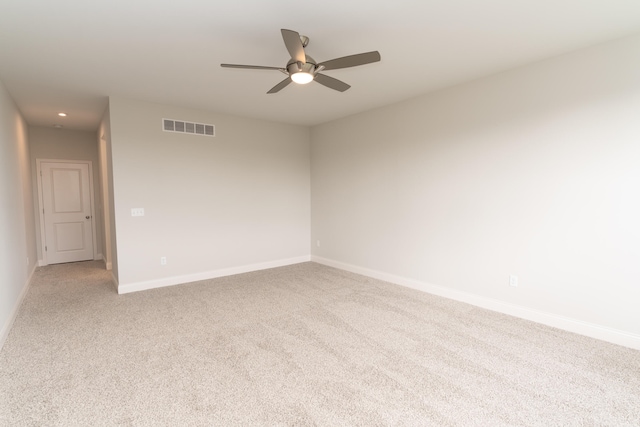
211, 204
532, 172
17, 223
62, 144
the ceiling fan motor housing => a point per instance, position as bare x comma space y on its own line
307, 67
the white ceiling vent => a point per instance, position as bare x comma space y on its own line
170, 125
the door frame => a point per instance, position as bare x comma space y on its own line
43, 237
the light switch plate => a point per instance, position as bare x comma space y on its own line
137, 212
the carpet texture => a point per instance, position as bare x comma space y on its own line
302, 345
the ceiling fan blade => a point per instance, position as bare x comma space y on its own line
331, 83
351, 60
280, 86
253, 67
294, 45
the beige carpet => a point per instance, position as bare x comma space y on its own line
299, 345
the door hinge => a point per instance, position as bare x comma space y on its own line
45, 249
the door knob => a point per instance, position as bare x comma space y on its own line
87, 217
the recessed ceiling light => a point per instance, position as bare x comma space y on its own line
57, 126
62, 114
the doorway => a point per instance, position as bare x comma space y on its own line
67, 225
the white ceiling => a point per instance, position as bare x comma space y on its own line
69, 55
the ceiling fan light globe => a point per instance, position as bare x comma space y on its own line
302, 78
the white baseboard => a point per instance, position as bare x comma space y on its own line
205, 275
107, 265
98, 257
14, 313
592, 330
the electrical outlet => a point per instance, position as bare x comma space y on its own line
163, 260
318, 243
513, 280
27, 261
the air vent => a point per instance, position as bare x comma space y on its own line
170, 125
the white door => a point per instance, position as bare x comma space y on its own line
66, 198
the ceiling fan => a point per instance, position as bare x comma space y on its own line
303, 69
